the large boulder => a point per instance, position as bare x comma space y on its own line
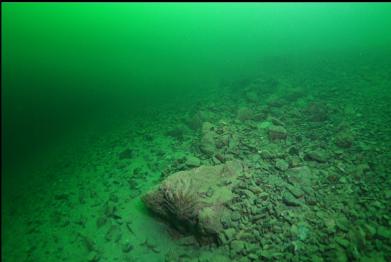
194, 201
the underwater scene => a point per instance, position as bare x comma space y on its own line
196, 132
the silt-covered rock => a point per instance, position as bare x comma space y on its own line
194, 201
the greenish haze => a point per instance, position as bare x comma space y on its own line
81, 82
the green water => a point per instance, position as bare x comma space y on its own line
101, 102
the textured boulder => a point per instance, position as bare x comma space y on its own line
194, 201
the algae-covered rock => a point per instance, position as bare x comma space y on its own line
194, 201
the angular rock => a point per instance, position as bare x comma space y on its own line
290, 200
237, 246
319, 155
300, 176
277, 133
344, 140
192, 161
195, 201
295, 191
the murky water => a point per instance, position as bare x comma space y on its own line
262, 131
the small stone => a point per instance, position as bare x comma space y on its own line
370, 230
282, 164
230, 233
126, 154
276, 121
127, 247
237, 246
297, 192
245, 113
252, 96
330, 225
93, 256
383, 233
344, 140
319, 155
342, 242
176, 133
252, 256
277, 132
113, 234
342, 223
340, 256
290, 200
207, 145
192, 161
235, 216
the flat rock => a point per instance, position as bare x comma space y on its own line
300, 176
319, 155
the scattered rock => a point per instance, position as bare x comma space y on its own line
344, 140
126, 154
113, 234
277, 133
245, 113
251, 96
383, 233
290, 200
93, 256
282, 164
319, 155
235, 216
317, 112
192, 161
207, 145
276, 121
127, 247
342, 242
295, 191
300, 176
176, 133
237, 246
